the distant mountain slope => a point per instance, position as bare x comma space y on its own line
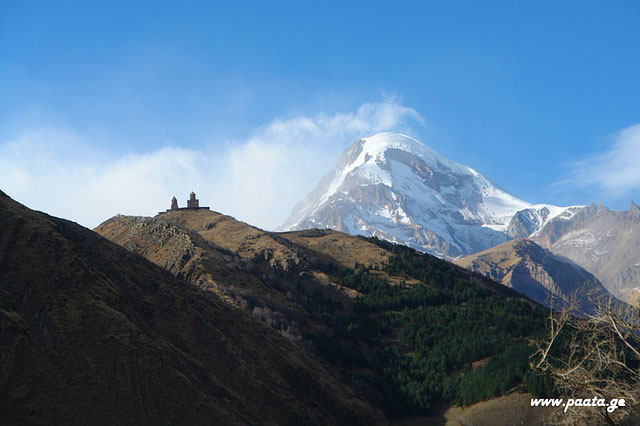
605, 242
537, 273
92, 334
394, 187
529, 222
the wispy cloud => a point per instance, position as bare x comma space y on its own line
258, 180
612, 174
282, 161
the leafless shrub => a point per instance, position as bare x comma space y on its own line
592, 355
244, 304
278, 321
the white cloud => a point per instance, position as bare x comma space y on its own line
614, 173
257, 180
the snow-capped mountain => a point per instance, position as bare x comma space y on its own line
394, 187
529, 222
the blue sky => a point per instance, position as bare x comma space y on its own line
93, 96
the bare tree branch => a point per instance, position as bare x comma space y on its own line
595, 355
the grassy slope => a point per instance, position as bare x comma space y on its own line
357, 319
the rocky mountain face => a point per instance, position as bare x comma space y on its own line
93, 334
539, 274
529, 222
394, 187
605, 242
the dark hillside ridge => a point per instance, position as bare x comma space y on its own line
93, 334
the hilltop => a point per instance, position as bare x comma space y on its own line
403, 327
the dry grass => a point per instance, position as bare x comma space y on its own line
513, 409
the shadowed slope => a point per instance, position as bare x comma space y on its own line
92, 334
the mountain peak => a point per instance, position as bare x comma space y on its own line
380, 142
376, 146
393, 186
